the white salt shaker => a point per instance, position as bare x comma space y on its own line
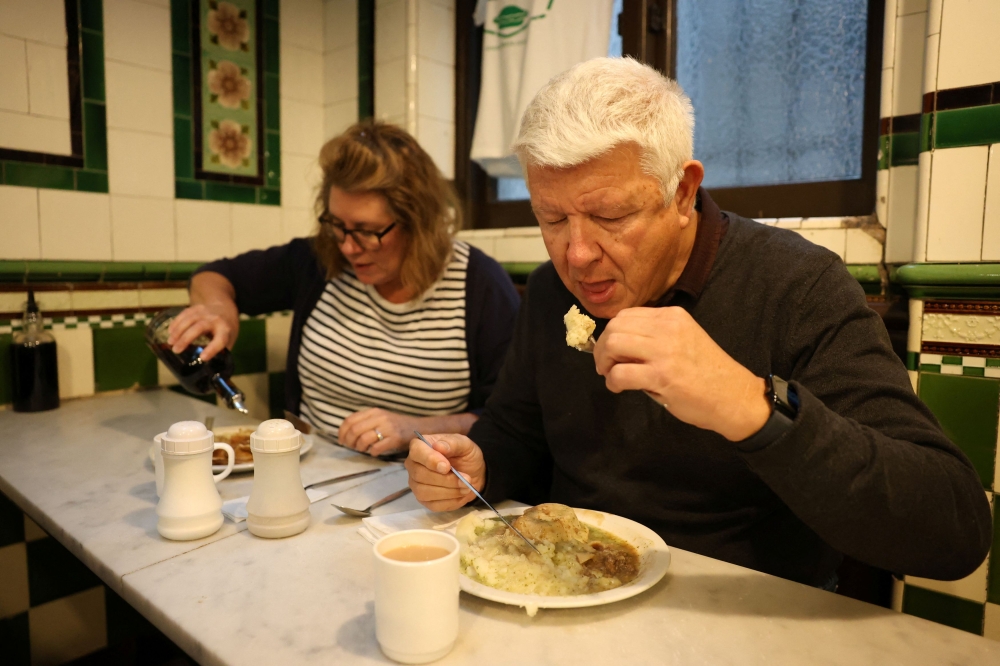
189, 506
278, 506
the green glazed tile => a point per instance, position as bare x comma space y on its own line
974, 372
269, 197
13, 271
210, 398
182, 85
271, 8
124, 271
6, 395
54, 573
926, 132
122, 359
272, 105
180, 26
276, 394
16, 640
183, 149
189, 189
944, 609
38, 175
993, 573
182, 270
884, 146
905, 149
967, 408
90, 15
250, 350
993, 363
65, 271
951, 360
92, 181
912, 360
95, 136
976, 126
93, 66
11, 517
272, 159
271, 54
226, 192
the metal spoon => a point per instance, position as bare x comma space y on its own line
481, 498
364, 513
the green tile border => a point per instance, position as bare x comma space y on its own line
901, 149
993, 575
955, 281
27, 272
974, 126
93, 176
366, 59
186, 185
944, 609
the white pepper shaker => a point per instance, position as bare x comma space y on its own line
278, 506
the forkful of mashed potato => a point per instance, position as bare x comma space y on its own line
580, 336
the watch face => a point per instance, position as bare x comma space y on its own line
781, 401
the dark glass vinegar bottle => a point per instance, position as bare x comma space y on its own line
195, 375
33, 364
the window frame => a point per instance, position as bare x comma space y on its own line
648, 29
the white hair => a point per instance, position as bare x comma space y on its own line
605, 102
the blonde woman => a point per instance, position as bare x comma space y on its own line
397, 326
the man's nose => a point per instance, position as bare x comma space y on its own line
583, 248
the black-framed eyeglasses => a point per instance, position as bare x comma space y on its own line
367, 240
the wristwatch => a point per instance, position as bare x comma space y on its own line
784, 409
781, 396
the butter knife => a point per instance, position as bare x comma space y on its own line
481, 499
342, 477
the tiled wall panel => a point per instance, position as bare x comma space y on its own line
19, 222
74, 225
991, 216
970, 51
957, 196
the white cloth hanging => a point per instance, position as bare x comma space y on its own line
526, 43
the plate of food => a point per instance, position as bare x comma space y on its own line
587, 558
238, 437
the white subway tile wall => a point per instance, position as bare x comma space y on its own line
907, 75
19, 222
340, 66
34, 82
142, 229
991, 217
902, 213
140, 164
957, 195
970, 50
75, 350
834, 240
204, 229
138, 98
862, 248
255, 227
74, 225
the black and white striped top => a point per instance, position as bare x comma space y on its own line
358, 350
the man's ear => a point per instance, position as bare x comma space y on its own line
687, 188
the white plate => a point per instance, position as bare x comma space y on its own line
654, 558
307, 444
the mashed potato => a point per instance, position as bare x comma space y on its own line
579, 327
493, 555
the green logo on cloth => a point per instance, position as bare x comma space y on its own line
513, 20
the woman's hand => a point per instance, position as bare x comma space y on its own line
220, 322
431, 479
360, 431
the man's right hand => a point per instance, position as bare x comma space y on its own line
431, 479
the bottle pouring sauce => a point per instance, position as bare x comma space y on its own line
194, 374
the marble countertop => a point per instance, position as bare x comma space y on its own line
232, 598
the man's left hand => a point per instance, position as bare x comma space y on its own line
664, 352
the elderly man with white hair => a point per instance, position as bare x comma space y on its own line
783, 433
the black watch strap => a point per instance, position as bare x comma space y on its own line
784, 408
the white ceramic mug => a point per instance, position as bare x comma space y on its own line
158, 462
416, 603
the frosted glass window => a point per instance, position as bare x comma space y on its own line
777, 86
515, 189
